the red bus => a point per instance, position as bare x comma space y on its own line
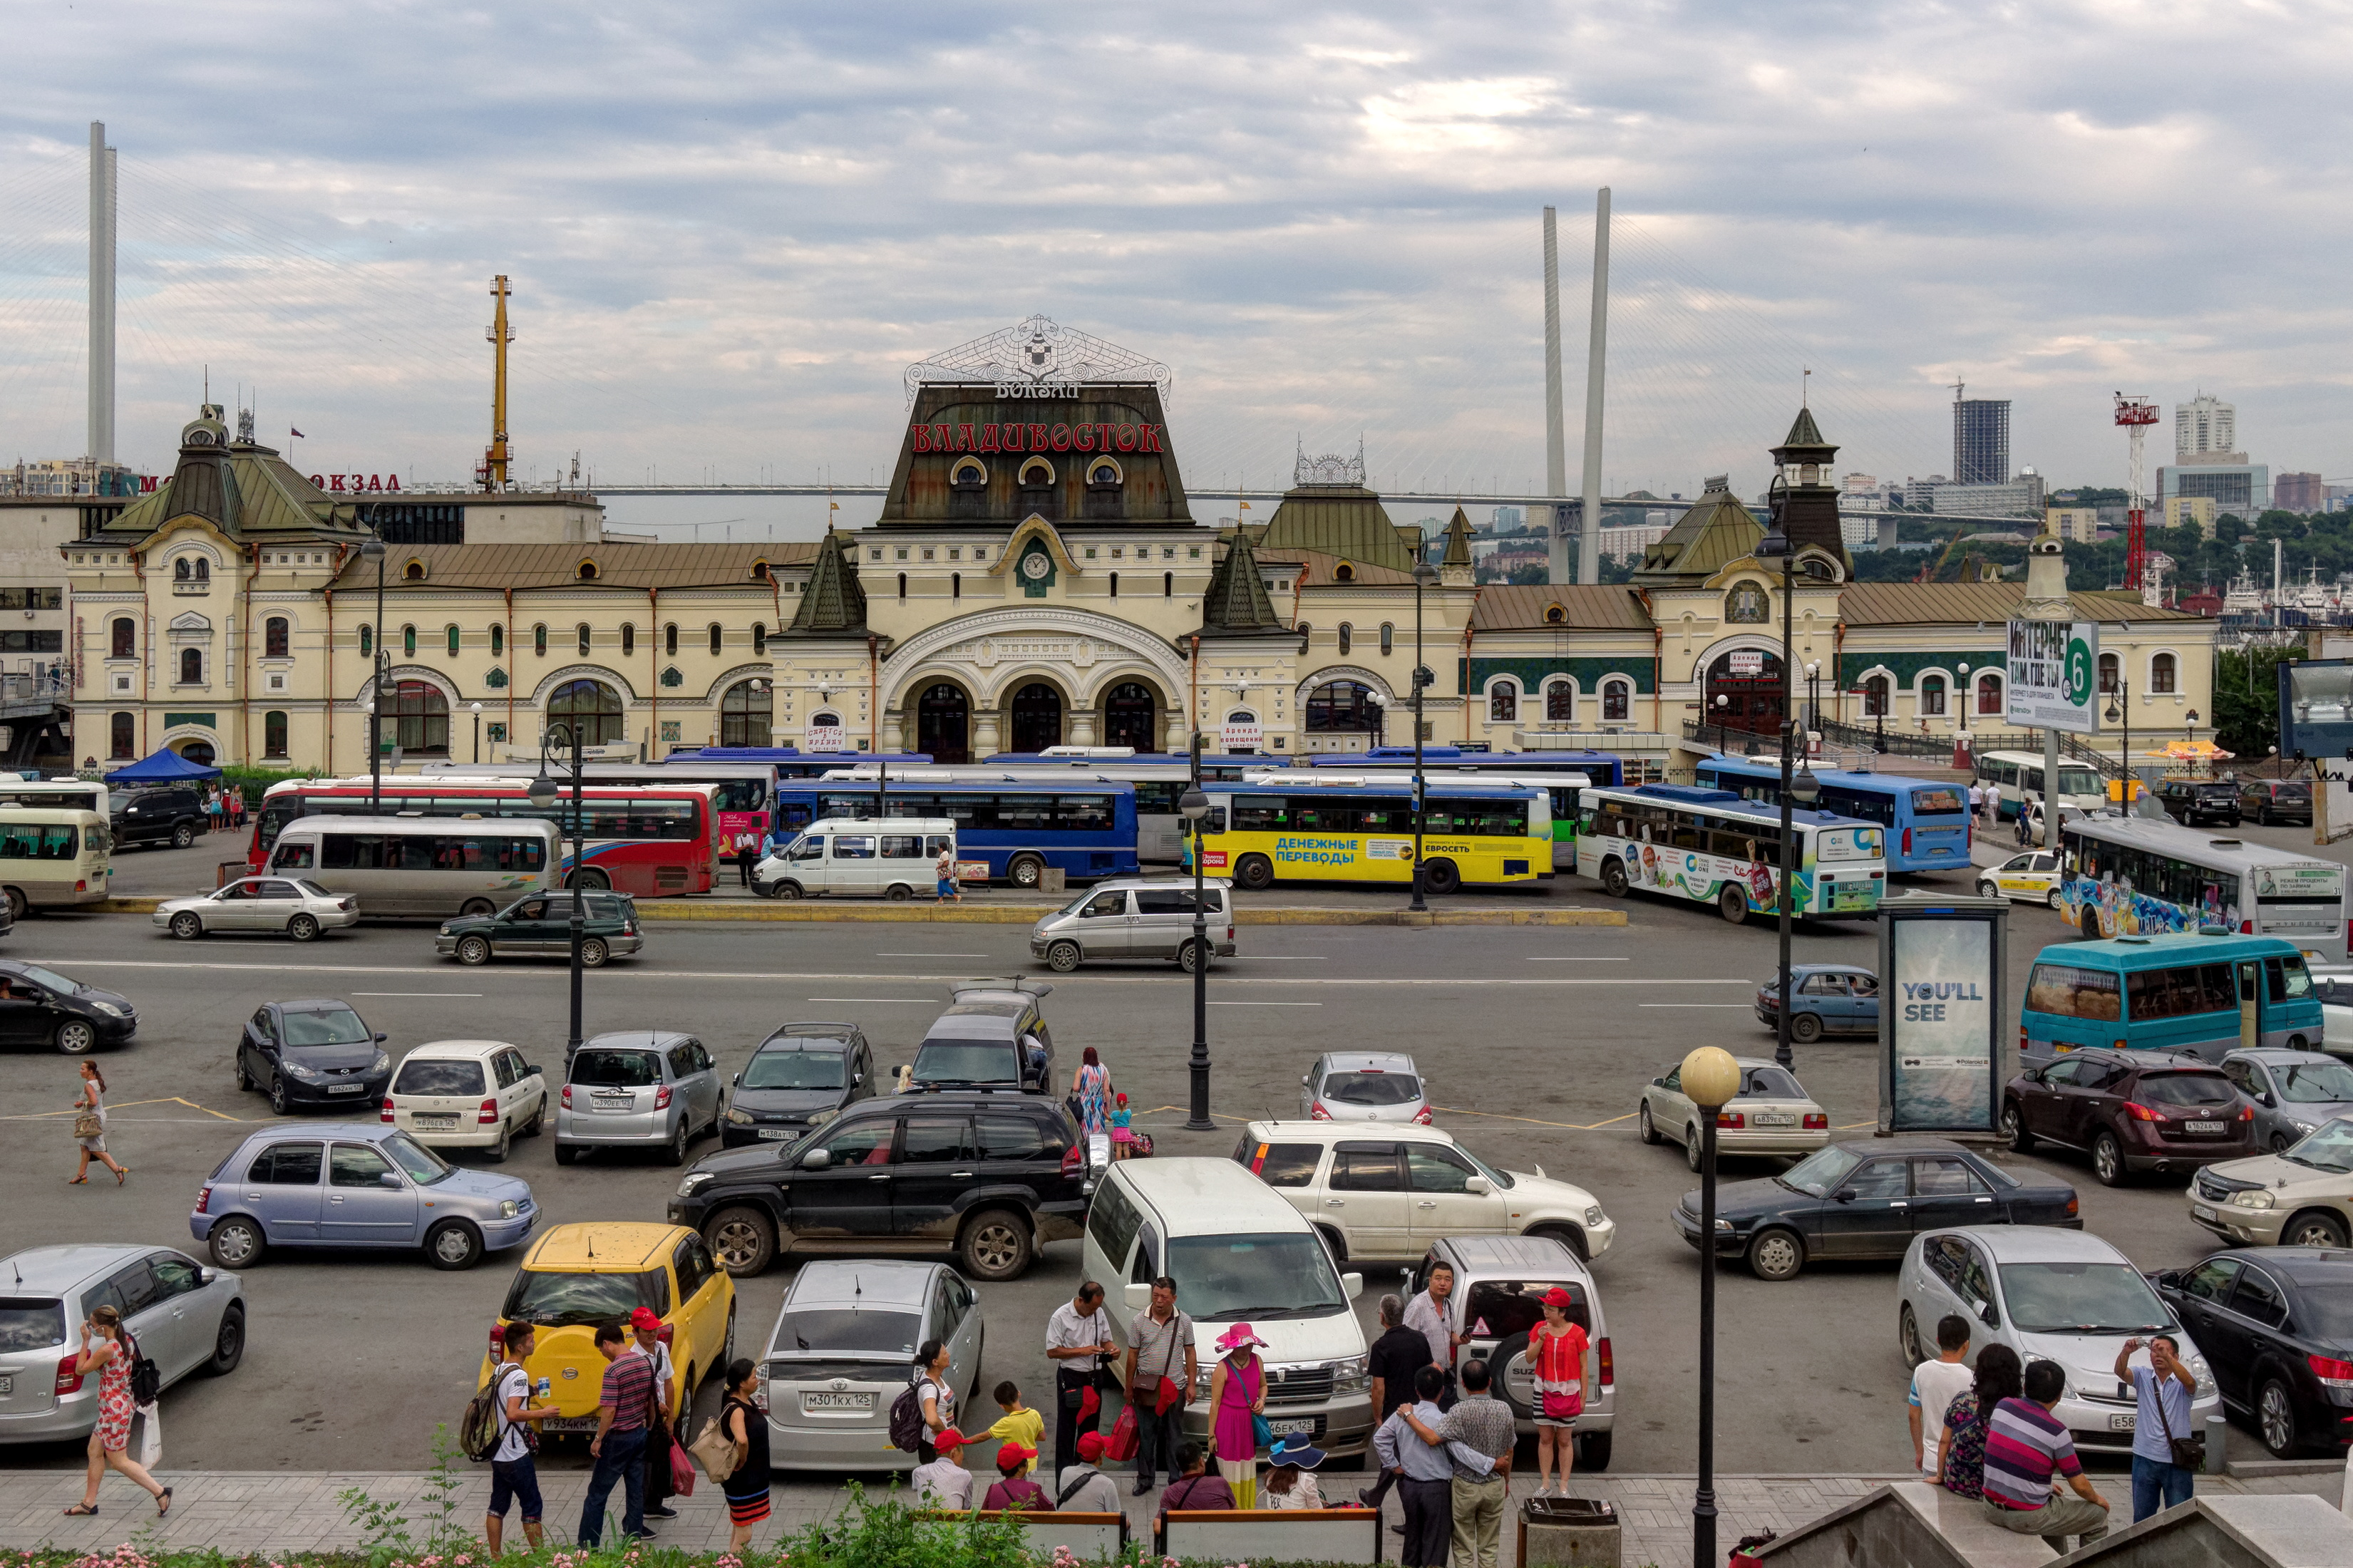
653, 840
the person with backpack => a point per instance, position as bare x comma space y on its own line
514, 1473
934, 1400
123, 1375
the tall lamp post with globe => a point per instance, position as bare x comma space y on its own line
1194, 806
1712, 1078
542, 794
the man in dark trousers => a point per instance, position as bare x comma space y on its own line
1079, 1343
1159, 1345
1397, 1356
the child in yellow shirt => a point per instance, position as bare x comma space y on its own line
1020, 1424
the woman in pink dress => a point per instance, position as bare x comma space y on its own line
1238, 1393
110, 1357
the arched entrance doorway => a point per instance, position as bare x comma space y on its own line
199, 752
943, 724
1129, 712
1747, 681
1036, 718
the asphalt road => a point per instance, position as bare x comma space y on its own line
1535, 1042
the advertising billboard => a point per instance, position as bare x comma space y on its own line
2053, 675
1940, 1037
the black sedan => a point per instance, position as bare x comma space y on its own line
312, 1054
1865, 1199
799, 1077
38, 1006
2277, 1324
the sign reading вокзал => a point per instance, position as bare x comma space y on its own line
2053, 675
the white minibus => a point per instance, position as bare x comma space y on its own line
436, 865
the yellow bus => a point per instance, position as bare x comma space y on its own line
1265, 830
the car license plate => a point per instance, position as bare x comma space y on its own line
776, 1132
2205, 1126
624, 1103
1286, 1428
432, 1121
1769, 1119
7, 1383
345, 1087
2121, 1423
569, 1423
837, 1402
2202, 1212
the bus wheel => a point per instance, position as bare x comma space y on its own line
1255, 872
1733, 905
784, 890
900, 893
1026, 871
476, 908
1441, 877
594, 880
18, 905
1613, 877
2091, 925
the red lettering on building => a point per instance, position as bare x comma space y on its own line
1083, 437
1125, 439
964, 439
988, 439
1037, 437
943, 438
147, 483
1011, 436
1151, 439
1102, 438
922, 436
335, 482
1062, 437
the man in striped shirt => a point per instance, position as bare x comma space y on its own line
2025, 1447
619, 1446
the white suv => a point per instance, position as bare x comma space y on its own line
1388, 1192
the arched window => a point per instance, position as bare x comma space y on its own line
629, 638
408, 642
420, 719
498, 639
746, 715
273, 734
715, 634
1343, 705
1503, 701
955, 585
2161, 673
2111, 673
1617, 698
367, 639
126, 637
203, 569
582, 629
180, 571
587, 572
759, 637
903, 584
1114, 585
122, 731
1874, 697
1560, 702
191, 667
1348, 638
273, 637
591, 706
449, 634
1168, 584
1932, 696
1554, 615
413, 572
759, 571
1344, 572
539, 640
670, 640
1388, 637
1989, 696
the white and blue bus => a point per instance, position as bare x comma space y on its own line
1084, 827
2139, 876
1710, 847
1927, 822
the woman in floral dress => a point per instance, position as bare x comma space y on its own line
111, 1355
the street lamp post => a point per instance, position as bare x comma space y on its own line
2120, 707
1424, 574
371, 548
478, 731
1711, 1077
1194, 806
2189, 729
1801, 783
543, 795
1966, 698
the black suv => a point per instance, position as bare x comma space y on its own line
990, 1177
173, 815
2191, 803
993, 1035
2275, 800
798, 1077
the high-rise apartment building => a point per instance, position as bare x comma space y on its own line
2206, 429
2299, 493
1981, 441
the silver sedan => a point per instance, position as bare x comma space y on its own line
300, 908
1772, 1115
186, 1317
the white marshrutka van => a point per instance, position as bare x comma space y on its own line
1240, 1254
895, 858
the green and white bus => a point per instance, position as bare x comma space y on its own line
1710, 847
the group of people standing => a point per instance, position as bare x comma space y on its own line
224, 807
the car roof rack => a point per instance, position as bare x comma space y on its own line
1024, 984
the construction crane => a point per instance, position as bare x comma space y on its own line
2136, 415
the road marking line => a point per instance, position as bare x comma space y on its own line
931, 955
125, 1105
1532, 1121
416, 993
1579, 961
909, 1001
555, 973
1266, 1003
1733, 1005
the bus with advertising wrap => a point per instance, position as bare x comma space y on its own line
1710, 847
2139, 876
1927, 823
1270, 828
1561, 792
651, 840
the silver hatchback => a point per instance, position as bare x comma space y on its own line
844, 1349
1132, 917
185, 1317
1364, 1086
637, 1088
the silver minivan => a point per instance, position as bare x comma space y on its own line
896, 858
636, 1089
1132, 917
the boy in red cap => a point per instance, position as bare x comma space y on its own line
1012, 1488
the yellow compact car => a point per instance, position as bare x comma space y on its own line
577, 1278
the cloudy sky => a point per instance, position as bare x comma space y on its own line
730, 227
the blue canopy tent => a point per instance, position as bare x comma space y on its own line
166, 766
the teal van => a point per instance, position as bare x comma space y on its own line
2209, 993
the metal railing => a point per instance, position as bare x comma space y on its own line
1886, 742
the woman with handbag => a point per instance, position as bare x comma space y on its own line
90, 1126
1556, 1357
109, 1442
746, 1486
1236, 1411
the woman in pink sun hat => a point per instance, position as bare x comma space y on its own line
1236, 1397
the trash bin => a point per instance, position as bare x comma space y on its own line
1569, 1532
227, 871
1051, 879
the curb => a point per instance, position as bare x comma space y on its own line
809, 911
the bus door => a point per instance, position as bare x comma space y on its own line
2251, 991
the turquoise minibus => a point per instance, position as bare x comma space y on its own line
2211, 994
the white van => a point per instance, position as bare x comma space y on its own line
2010, 773
439, 866
1234, 1246
892, 857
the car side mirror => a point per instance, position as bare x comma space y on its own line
388, 1180
1477, 1186
735, 1082
206, 1276
818, 1160
381, 1038
1658, 1083
1352, 1285
1989, 1317
531, 1069
1843, 1196
855, 1078
1303, 1081
1137, 1296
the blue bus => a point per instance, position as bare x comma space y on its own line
1085, 829
2211, 994
1927, 823
1604, 769
791, 762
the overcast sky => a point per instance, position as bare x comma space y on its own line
730, 227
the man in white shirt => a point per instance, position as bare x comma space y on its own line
1083, 1488
1431, 1315
647, 1330
1935, 1385
943, 1483
1079, 1343
514, 1475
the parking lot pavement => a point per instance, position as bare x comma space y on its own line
1535, 1042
